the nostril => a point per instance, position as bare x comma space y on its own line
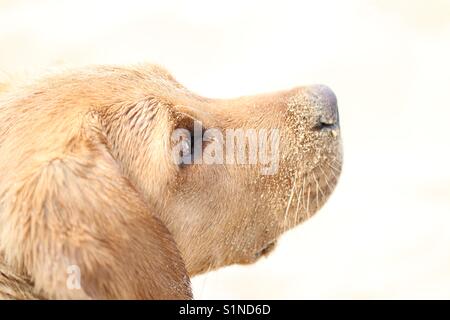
315, 106
327, 123
324, 123
325, 103
328, 119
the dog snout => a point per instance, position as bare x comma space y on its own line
314, 108
324, 101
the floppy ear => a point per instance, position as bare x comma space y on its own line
83, 231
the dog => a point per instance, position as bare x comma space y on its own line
120, 183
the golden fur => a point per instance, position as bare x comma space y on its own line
87, 180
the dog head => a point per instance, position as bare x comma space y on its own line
227, 177
222, 179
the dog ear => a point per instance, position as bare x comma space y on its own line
85, 232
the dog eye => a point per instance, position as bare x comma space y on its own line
186, 147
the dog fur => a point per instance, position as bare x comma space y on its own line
87, 180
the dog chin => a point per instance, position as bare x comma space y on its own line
263, 252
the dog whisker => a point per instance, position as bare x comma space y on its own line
333, 167
317, 189
333, 171
289, 202
299, 201
325, 176
308, 202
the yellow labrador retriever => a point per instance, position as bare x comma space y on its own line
120, 183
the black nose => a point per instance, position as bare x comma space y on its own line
325, 103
